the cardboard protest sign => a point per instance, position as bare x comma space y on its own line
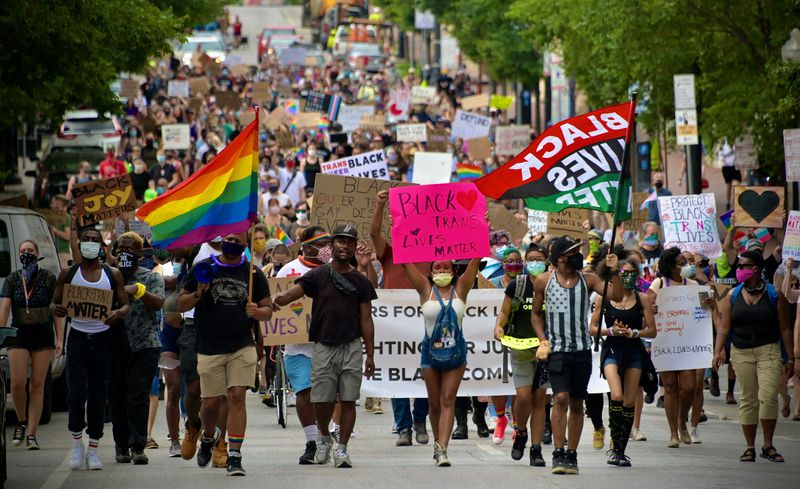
432, 167
372, 122
262, 92
758, 206
411, 133
438, 140
399, 103
350, 116
368, 165
689, 222
683, 330
422, 95
746, 157
791, 240
228, 100
438, 222
315, 101
293, 56
199, 85
55, 218
178, 88
511, 140
639, 216
139, 227
501, 102
87, 302
195, 104
721, 291
275, 118
485, 283
285, 139
502, 218
307, 120
537, 222
176, 136
104, 199
240, 70
474, 102
349, 200
290, 325
568, 222
791, 154
246, 118
479, 148
128, 88
467, 125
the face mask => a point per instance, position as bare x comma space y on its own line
688, 271
629, 281
259, 245
536, 268
513, 268
442, 279
659, 184
161, 158
27, 259
312, 153
594, 245
744, 274
575, 261
133, 133
302, 215
176, 268
273, 188
274, 210
90, 250
231, 248
650, 240
325, 254
160, 190
392, 157
127, 261
500, 250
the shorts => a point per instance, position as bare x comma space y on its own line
730, 173
187, 344
425, 354
524, 371
155, 387
298, 370
624, 358
570, 372
35, 337
336, 370
218, 373
169, 338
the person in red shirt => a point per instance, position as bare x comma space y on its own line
112, 166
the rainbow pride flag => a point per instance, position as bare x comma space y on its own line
725, 218
467, 173
283, 237
219, 199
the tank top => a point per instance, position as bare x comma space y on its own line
90, 325
567, 313
632, 318
431, 308
754, 325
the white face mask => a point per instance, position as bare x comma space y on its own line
302, 215
90, 250
274, 210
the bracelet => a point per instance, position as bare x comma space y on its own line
140, 291
635, 333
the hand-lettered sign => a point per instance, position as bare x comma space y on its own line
568, 222
791, 240
689, 222
438, 222
128, 88
104, 199
178, 88
537, 222
432, 167
176, 136
502, 218
399, 103
438, 140
368, 165
350, 116
473, 102
758, 206
288, 326
683, 330
87, 302
422, 95
511, 140
479, 148
411, 133
467, 125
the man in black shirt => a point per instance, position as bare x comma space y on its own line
228, 341
341, 316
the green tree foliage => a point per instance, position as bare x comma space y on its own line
399, 12
193, 12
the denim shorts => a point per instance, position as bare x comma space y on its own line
169, 338
624, 357
298, 370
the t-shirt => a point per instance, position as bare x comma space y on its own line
141, 182
283, 200
222, 325
166, 171
394, 277
335, 316
520, 325
292, 186
142, 323
112, 168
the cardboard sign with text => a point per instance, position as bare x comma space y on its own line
568, 222
178, 88
411, 133
511, 140
758, 206
343, 200
479, 148
199, 85
128, 88
307, 120
350, 116
285, 139
438, 140
275, 118
104, 199
289, 326
87, 302
537, 222
502, 218
139, 227
176, 136
246, 118
422, 95
475, 102
228, 100
373, 122
467, 125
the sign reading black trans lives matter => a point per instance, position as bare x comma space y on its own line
365, 165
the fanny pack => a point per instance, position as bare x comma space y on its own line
342, 283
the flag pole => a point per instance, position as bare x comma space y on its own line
252, 227
625, 169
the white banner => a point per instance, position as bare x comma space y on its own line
467, 125
683, 329
399, 329
175, 136
369, 165
350, 116
411, 133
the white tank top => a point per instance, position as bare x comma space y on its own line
432, 307
89, 325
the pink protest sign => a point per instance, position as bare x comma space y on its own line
438, 222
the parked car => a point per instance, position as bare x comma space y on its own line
16, 225
267, 33
87, 128
212, 45
7, 337
56, 167
369, 57
279, 43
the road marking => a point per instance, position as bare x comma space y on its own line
59, 476
489, 449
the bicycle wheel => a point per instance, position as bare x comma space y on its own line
280, 388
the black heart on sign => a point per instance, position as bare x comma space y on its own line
759, 206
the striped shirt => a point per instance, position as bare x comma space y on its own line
567, 315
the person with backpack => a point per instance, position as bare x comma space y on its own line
623, 355
444, 350
757, 319
530, 377
89, 348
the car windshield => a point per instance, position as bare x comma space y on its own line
64, 162
83, 126
366, 50
210, 45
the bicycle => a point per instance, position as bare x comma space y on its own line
280, 386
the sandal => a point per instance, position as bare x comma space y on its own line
749, 455
771, 454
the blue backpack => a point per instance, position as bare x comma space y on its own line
772, 294
447, 345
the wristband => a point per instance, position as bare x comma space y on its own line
635, 333
140, 291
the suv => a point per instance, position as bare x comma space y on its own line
7, 337
16, 225
211, 44
53, 171
88, 128
266, 35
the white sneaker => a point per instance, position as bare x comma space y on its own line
291, 399
492, 423
93, 461
694, 434
637, 435
323, 454
76, 455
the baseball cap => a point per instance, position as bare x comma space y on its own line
563, 245
754, 245
272, 243
345, 230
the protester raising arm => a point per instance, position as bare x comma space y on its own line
377, 221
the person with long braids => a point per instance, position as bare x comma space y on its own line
623, 354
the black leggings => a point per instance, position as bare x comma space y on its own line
594, 409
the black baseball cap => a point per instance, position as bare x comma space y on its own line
345, 230
563, 245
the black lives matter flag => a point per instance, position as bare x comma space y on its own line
575, 163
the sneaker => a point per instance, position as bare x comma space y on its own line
572, 462
518, 446
93, 460
174, 449
673, 442
291, 399
500, 430
335, 433
547, 435
559, 461
139, 458
219, 459
307, 458
694, 435
394, 428
32, 443
649, 398
660, 402
624, 461
599, 439
19, 434
421, 432
536, 456
637, 435
341, 459
492, 423
323, 453
729, 398
205, 452
403, 438
685, 438
440, 456
376, 406
76, 455
123, 455
613, 457
234, 465
189, 445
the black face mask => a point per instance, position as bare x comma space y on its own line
28, 259
273, 188
127, 262
659, 184
575, 261
231, 248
